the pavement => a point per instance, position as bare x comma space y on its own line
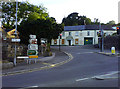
58, 58
109, 53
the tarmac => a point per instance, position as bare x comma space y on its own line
58, 58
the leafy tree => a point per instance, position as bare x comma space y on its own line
42, 28
25, 10
73, 19
111, 22
118, 24
96, 21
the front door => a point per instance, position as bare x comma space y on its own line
69, 42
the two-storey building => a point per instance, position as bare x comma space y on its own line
82, 34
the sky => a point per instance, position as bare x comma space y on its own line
104, 10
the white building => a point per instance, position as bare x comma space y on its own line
82, 35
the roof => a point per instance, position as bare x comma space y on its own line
87, 27
71, 28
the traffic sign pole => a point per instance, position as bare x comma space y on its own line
15, 33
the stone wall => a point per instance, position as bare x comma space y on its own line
112, 41
8, 51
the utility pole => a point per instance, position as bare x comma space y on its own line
60, 36
102, 38
15, 32
59, 43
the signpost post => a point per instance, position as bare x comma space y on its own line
14, 62
59, 40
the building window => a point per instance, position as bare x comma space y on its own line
69, 33
55, 41
88, 33
76, 41
63, 41
76, 33
81, 34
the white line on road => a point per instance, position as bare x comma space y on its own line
110, 75
82, 79
85, 52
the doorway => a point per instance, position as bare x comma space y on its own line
88, 41
69, 42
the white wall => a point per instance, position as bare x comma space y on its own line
81, 36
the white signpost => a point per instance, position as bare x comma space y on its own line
32, 47
33, 41
15, 40
32, 36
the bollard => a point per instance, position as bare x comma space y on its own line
113, 50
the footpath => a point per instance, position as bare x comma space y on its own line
58, 58
109, 53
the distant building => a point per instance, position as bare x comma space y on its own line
82, 34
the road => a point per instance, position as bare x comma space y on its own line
86, 69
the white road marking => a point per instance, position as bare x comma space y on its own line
29, 87
85, 52
104, 76
82, 79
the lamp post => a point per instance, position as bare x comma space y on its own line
15, 33
102, 38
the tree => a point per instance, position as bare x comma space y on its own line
111, 22
73, 19
25, 10
41, 28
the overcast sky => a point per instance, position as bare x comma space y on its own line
104, 10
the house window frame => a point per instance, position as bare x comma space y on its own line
76, 33
88, 33
70, 33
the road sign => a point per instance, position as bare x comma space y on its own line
32, 52
20, 57
32, 47
32, 36
15, 40
33, 41
33, 56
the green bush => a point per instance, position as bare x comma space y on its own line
50, 53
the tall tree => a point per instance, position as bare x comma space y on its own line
112, 22
74, 19
43, 28
24, 10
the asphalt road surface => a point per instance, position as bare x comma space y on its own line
86, 69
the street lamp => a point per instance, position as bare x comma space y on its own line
16, 32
